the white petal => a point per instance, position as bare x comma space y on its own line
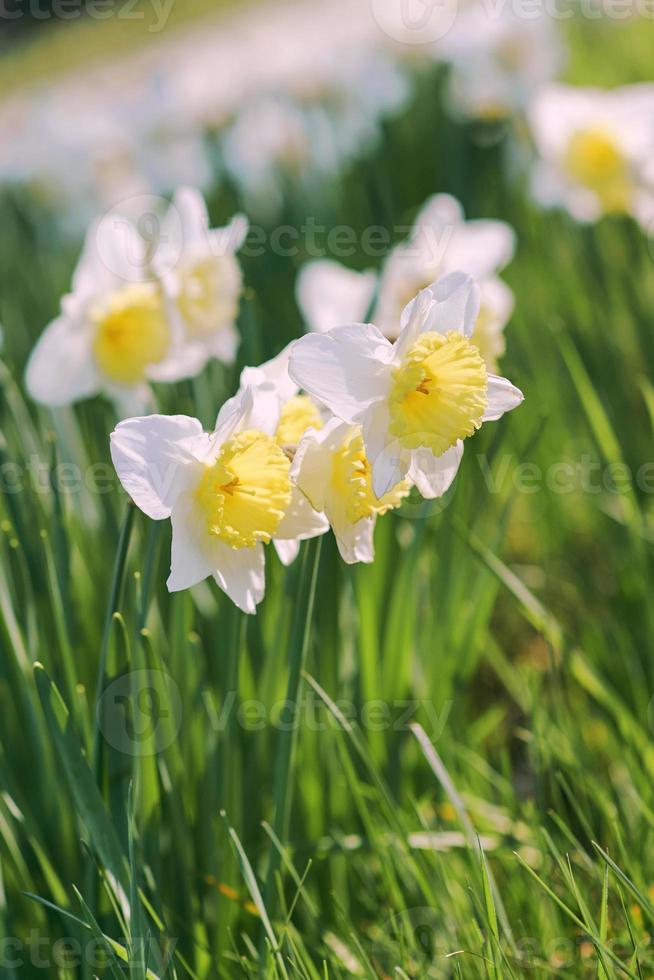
438, 211
312, 463
389, 468
194, 552
249, 408
273, 373
130, 401
451, 303
497, 299
241, 575
154, 460
375, 427
355, 541
287, 551
114, 254
61, 368
223, 344
502, 397
301, 521
184, 360
347, 369
457, 304
228, 240
330, 295
192, 216
412, 321
557, 111
434, 475
480, 248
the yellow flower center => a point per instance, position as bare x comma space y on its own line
131, 332
594, 159
297, 415
209, 294
351, 482
245, 493
439, 393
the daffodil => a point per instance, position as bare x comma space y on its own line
201, 274
330, 295
416, 400
227, 493
332, 470
295, 413
113, 334
498, 59
442, 241
595, 149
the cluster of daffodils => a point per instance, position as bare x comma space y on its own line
303, 134
140, 311
305, 90
333, 432
441, 241
497, 60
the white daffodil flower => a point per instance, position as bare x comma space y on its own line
442, 241
295, 414
595, 150
417, 399
498, 60
113, 334
201, 273
227, 493
329, 295
269, 142
331, 469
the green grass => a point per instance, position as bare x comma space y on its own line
513, 628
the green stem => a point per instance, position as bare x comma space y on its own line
118, 577
151, 553
286, 746
116, 589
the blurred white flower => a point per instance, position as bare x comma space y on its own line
226, 493
201, 274
267, 141
113, 334
321, 117
331, 469
416, 400
595, 150
360, 89
495, 310
442, 241
330, 295
498, 59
